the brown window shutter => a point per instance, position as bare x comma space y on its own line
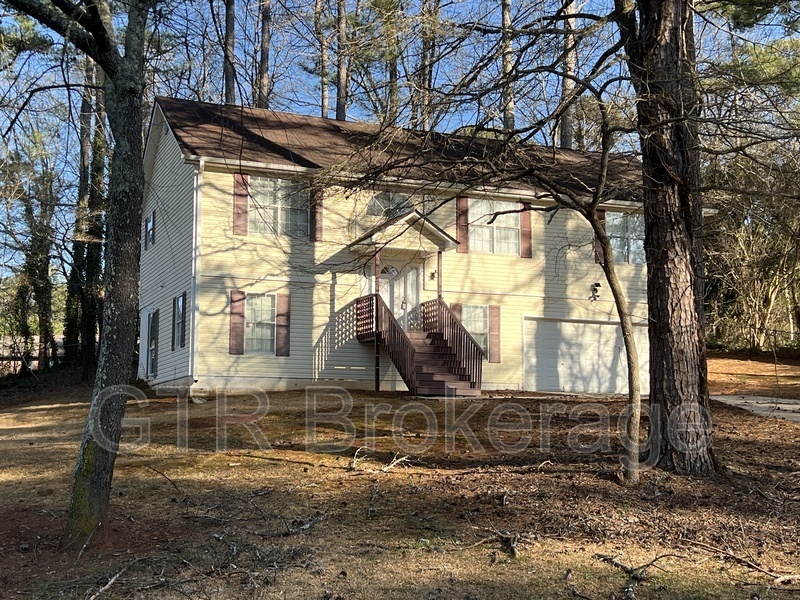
241, 196
236, 340
457, 309
494, 334
317, 197
525, 241
153, 218
144, 233
283, 310
599, 255
183, 321
462, 224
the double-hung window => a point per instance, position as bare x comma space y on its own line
278, 206
499, 237
179, 321
626, 234
476, 320
152, 344
259, 323
150, 230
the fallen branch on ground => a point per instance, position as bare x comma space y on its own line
636, 574
395, 461
111, 581
778, 579
508, 539
356, 458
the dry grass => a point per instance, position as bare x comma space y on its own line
452, 522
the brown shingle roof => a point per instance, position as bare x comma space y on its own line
265, 136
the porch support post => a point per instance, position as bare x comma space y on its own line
377, 320
439, 274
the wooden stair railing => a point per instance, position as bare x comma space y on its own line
438, 317
374, 319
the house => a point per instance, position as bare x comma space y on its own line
280, 251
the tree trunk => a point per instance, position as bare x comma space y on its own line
342, 82
565, 125
630, 461
661, 64
92, 293
322, 42
430, 17
507, 52
261, 94
229, 49
77, 274
95, 464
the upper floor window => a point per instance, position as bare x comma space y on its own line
388, 205
626, 234
499, 237
150, 230
278, 206
259, 323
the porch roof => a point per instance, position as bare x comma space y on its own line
411, 219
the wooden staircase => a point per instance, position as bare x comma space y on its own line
441, 360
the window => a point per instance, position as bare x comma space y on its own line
476, 320
152, 344
150, 230
499, 237
259, 323
179, 321
388, 205
626, 234
278, 206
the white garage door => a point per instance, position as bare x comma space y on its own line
581, 357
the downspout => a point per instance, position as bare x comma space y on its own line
193, 331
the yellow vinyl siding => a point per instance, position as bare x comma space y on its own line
166, 266
325, 278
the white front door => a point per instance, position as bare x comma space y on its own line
400, 291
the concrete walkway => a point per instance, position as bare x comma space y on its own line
781, 408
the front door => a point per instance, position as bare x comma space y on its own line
400, 291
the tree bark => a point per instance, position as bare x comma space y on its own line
322, 42
661, 63
342, 78
98, 451
507, 52
77, 273
229, 49
261, 95
566, 128
92, 293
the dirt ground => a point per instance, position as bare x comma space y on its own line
508, 497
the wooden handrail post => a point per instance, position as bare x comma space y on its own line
375, 303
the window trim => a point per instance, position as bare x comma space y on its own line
485, 308
628, 237
150, 230
248, 323
179, 322
258, 209
151, 364
392, 204
475, 225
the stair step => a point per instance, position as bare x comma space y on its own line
424, 378
447, 391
